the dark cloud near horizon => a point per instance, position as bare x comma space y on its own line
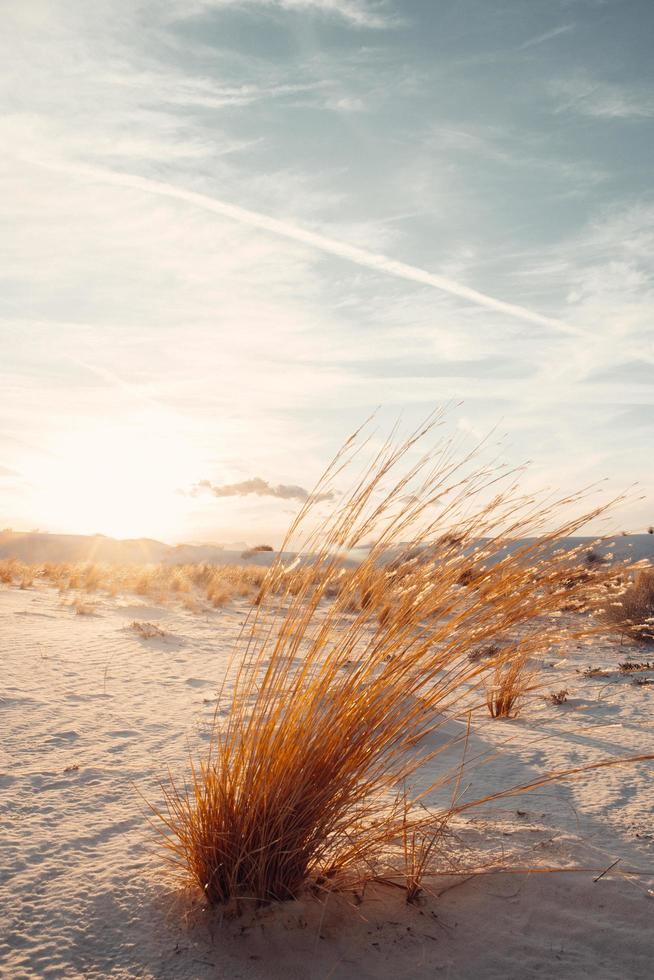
260, 488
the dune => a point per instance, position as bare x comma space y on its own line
33, 547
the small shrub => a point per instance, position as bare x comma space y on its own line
255, 550
557, 697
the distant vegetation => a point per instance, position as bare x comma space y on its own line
257, 549
192, 585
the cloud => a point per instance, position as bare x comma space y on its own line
547, 36
349, 103
246, 338
602, 100
352, 253
357, 13
259, 488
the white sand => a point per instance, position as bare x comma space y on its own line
81, 893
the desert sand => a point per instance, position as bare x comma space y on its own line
93, 715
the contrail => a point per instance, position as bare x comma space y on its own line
331, 246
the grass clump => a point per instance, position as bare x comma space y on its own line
12, 570
631, 611
331, 706
509, 683
147, 631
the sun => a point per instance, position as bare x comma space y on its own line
118, 480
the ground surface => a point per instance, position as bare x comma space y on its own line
90, 713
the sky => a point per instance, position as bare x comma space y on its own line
233, 229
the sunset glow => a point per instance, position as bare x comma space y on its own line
253, 222
112, 481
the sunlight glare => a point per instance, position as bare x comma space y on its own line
114, 480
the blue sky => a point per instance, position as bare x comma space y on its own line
232, 228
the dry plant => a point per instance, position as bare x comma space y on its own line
487, 652
631, 611
627, 666
589, 672
328, 712
509, 683
83, 608
11, 570
147, 631
257, 549
557, 697
420, 847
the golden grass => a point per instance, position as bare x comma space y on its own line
630, 611
10, 570
192, 585
331, 704
507, 687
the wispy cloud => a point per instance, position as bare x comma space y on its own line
547, 36
259, 488
602, 100
134, 289
351, 253
358, 13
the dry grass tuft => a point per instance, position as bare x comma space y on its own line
331, 703
557, 697
12, 570
631, 611
147, 631
509, 684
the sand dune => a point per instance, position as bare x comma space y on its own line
36, 546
